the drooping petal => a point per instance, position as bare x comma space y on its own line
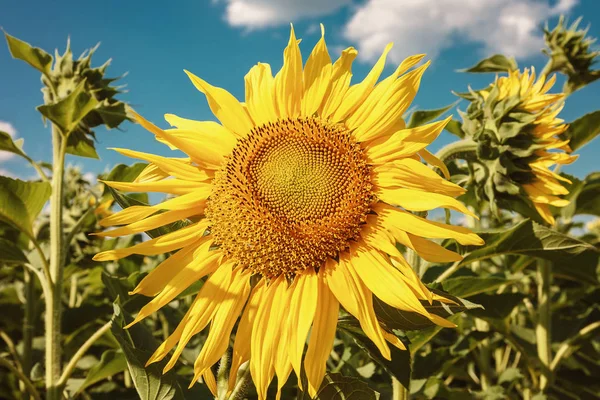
302, 310
422, 227
321, 337
204, 263
416, 200
222, 323
354, 296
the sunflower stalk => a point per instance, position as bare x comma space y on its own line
53, 303
544, 318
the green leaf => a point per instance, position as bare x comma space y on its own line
112, 362
497, 306
21, 202
68, 112
455, 128
407, 320
465, 286
495, 63
510, 375
80, 145
33, 56
583, 196
527, 238
398, 366
338, 387
583, 130
10, 253
421, 117
137, 344
586, 271
125, 173
7, 144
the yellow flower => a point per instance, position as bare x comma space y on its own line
305, 187
543, 186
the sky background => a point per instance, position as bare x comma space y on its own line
221, 40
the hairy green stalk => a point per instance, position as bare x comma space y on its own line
543, 332
53, 302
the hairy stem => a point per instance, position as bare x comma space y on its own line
464, 149
53, 302
544, 318
81, 352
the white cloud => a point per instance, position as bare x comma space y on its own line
90, 177
255, 14
510, 27
8, 128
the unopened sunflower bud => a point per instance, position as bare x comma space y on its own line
514, 123
570, 52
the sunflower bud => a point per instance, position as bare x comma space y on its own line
65, 77
570, 53
514, 123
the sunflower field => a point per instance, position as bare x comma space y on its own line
307, 244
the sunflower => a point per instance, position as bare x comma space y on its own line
295, 203
531, 101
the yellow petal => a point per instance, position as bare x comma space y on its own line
288, 82
172, 166
152, 173
224, 106
263, 339
241, 345
422, 227
260, 94
152, 223
128, 215
222, 323
354, 296
341, 75
544, 212
417, 200
156, 280
171, 186
214, 292
204, 263
413, 174
317, 76
428, 250
302, 311
359, 92
321, 337
386, 282
202, 127
390, 106
405, 142
210, 381
162, 244
436, 162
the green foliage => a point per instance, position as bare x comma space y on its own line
7, 144
421, 117
33, 56
21, 202
583, 130
495, 63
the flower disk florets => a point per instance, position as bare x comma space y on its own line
292, 193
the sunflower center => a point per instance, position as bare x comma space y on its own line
292, 193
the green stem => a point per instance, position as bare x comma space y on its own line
464, 149
544, 319
81, 352
242, 375
53, 302
39, 170
29, 321
399, 391
30, 388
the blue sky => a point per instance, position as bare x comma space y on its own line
220, 40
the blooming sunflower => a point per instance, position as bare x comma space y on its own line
305, 188
538, 111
